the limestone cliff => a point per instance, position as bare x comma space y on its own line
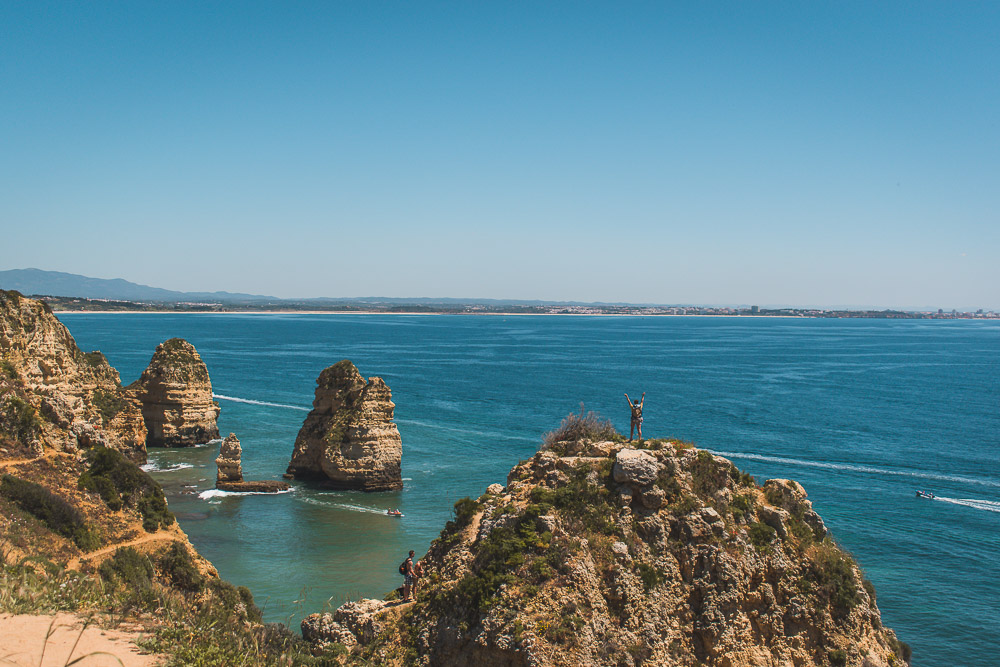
63, 398
601, 554
349, 438
175, 393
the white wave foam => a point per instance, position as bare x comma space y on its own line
253, 402
343, 506
985, 505
217, 493
856, 468
152, 467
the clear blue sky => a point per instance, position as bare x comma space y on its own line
807, 153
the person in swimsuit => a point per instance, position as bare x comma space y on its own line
636, 423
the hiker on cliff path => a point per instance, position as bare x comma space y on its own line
636, 423
408, 578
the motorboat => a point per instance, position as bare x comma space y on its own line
925, 494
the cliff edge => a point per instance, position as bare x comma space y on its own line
349, 439
606, 553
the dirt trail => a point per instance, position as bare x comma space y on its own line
27, 637
17, 462
159, 536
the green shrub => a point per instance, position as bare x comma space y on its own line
651, 577
108, 403
588, 426
869, 588
744, 503
121, 483
465, 509
50, 509
95, 359
130, 568
7, 369
837, 657
833, 571
703, 472
19, 418
178, 567
761, 535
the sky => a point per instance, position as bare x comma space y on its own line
773, 153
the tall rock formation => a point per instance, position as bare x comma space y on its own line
65, 398
349, 438
176, 397
599, 554
230, 475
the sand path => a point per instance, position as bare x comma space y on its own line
159, 536
23, 641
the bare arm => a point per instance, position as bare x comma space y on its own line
628, 399
643, 400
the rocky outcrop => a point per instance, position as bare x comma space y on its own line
230, 475
67, 393
349, 439
176, 397
598, 554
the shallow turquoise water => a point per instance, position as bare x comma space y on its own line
861, 412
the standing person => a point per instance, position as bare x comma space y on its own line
418, 573
636, 423
407, 569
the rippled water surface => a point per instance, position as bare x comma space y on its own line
861, 412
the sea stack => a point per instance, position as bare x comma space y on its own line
230, 475
349, 439
176, 397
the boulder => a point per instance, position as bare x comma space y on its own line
361, 618
494, 489
175, 393
776, 518
635, 467
322, 630
789, 495
349, 439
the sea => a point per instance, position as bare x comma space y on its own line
862, 412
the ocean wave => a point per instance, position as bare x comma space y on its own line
218, 493
253, 402
153, 467
985, 505
343, 506
857, 468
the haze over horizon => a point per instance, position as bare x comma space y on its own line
776, 154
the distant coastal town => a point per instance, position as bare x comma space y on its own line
474, 308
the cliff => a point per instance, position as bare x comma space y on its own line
175, 393
603, 554
349, 439
230, 474
56, 398
84, 529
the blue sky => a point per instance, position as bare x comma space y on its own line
716, 153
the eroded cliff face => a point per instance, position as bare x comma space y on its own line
74, 400
175, 393
349, 439
601, 554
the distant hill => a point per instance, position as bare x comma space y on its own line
37, 282
56, 283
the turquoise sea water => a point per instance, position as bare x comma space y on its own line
861, 412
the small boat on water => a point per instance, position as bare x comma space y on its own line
925, 494
393, 513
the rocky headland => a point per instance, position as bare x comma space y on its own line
175, 393
611, 553
349, 439
53, 396
230, 471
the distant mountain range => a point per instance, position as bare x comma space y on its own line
37, 282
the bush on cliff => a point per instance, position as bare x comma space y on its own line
178, 567
588, 426
19, 419
129, 567
109, 404
122, 483
833, 571
50, 509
